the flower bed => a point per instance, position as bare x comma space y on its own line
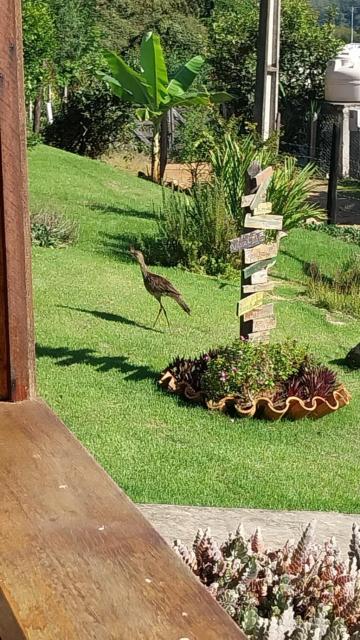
300, 592
249, 379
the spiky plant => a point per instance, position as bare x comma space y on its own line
300, 592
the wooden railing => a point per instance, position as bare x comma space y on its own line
77, 559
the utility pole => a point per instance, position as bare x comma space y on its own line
267, 72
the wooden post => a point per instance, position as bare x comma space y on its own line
16, 319
256, 321
267, 71
334, 175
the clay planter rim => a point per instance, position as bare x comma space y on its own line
294, 407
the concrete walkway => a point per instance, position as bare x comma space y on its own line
277, 526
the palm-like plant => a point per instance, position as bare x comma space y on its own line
153, 92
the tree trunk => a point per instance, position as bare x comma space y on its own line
163, 145
37, 112
155, 156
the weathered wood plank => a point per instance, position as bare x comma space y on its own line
78, 560
264, 324
264, 222
250, 302
262, 312
262, 252
247, 241
246, 201
263, 208
254, 288
16, 305
264, 175
260, 194
261, 336
258, 266
259, 277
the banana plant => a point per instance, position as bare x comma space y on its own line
151, 90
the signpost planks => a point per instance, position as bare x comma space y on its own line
257, 319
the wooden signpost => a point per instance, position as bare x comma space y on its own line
257, 319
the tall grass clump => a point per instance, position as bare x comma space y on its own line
194, 230
340, 293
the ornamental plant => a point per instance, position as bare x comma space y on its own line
243, 373
151, 90
301, 591
249, 369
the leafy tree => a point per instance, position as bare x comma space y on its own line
152, 92
38, 38
177, 22
306, 47
77, 38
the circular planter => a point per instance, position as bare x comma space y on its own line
294, 408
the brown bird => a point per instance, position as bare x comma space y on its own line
158, 287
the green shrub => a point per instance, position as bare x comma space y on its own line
52, 230
301, 591
249, 369
289, 192
194, 231
92, 121
231, 161
289, 189
340, 293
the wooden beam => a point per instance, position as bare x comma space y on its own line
77, 559
255, 288
16, 319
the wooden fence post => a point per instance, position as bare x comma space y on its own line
16, 319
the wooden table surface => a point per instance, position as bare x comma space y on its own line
77, 559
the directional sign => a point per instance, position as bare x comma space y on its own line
266, 311
249, 303
246, 201
259, 277
267, 174
258, 266
260, 194
247, 241
264, 207
264, 324
254, 288
263, 222
262, 252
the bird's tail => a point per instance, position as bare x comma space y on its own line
183, 304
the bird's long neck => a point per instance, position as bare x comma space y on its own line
143, 267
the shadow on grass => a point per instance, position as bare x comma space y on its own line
122, 211
117, 246
342, 362
66, 357
111, 317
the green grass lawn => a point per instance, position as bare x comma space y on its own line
98, 358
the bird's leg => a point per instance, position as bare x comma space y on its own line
167, 319
158, 315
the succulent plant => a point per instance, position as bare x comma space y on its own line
299, 592
310, 382
190, 371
